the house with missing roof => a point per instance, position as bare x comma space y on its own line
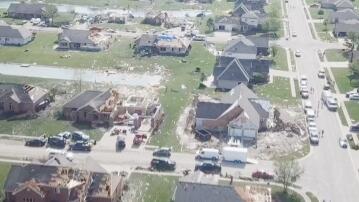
242, 61
336, 4
19, 99
95, 107
227, 23
63, 183
14, 36
93, 39
26, 11
239, 114
163, 44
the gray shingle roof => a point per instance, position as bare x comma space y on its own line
82, 99
347, 26
196, 192
146, 40
210, 110
259, 42
242, 47
75, 36
234, 72
9, 32
26, 8
16, 92
227, 20
343, 15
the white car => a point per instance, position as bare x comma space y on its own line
294, 34
304, 92
314, 137
310, 115
354, 91
307, 105
25, 65
354, 96
343, 142
298, 53
312, 126
321, 73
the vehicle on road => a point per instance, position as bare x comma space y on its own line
203, 135
163, 164
326, 86
307, 105
298, 53
321, 73
312, 126
66, 135
56, 141
314, 137
38, 142
355, 127
310, 115
162, 152
25, 65
303, 82
80, 146
234, 154
355, 91
304, 92
343, 142
208, 153
354, 96
294, 34
199, 37
262, 175
209, 167
120, 142
79, 136
329, 100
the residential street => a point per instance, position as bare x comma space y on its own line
329, 171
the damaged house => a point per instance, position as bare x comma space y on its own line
156, 18
95, 107
163, 44
18, 98
239, 114
84, 40
14, 36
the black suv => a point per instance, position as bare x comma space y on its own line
120, 143
36, 142
203, 135
209, 167
80, 146
162, 152
55, 141
163, 164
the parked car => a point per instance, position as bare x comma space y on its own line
56, 141
314, 137
120, 142
321, 73
326, 86
307, 105
262, 175
312, 126
25, 65
294, 34
304, 92
163, 164
355, 127
162, 152
208, 153
38, 142
343, 142
209, 167
203, 135
298, 53
80, 146
66, 135
354, 96
79, 136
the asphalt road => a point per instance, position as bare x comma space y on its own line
329, 171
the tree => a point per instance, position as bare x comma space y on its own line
274, 50
50, 12
271, 25
354, 37
354, 68
210, 24
287, 172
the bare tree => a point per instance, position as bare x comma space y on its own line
287, 172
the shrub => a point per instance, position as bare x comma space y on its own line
320, 12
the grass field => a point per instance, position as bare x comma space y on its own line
341, 76
4, 170
315, 15
342, 117
336, 55
353, 110
280, 59
150, 188
278, 92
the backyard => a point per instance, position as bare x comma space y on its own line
278, 92
342, 80
150, 188
353, 110
336, 55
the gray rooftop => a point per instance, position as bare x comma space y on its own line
196, 192
146, 40
75, 36
27, 8
82, 99
18, 33
228, 20
343, 15
16, 92
347, 26
210, 110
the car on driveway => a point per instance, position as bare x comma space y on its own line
343, 142
56, 141
321, 73
38, 142
163, 164
80, 146
209, 167
162, 152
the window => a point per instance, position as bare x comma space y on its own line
173, 49
162, 49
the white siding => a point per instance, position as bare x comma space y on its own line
14, 41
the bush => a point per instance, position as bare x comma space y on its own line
259, 78
320, 12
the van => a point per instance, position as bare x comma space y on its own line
329, 100
199, 37
207, 153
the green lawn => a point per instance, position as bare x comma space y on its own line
280, 59
320, 27
342, 117
353, 110
175, 98
314, 13
137, 26
63, 19
277, 92
309, 2
341, 76
150, 188
4, 170
336, 55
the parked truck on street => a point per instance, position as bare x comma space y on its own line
234, 154
208, 153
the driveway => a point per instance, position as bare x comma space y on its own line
48, 72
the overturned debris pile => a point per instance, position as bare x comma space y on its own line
280, 125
